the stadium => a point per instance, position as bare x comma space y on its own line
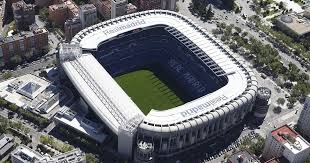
160, 82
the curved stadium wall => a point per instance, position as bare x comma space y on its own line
212, 111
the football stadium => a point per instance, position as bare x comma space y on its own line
160, 82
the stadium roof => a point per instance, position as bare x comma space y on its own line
90, 38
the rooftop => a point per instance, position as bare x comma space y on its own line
73, 119
28, 155
88, 7
6, 142
300, 25
31, 92
282, 134
57, 6
22, 35
290, 139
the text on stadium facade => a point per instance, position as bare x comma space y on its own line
203, 106
125, 26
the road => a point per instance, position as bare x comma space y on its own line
272, 119
221, 15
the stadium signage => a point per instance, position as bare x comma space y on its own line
202, 107
124, 26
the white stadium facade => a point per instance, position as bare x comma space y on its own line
170, 132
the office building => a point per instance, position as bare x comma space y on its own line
304, 118
72, 27
6, 144
286, 142
118, 8
24, 14
88, 15
23, 154
156, 4
293, 24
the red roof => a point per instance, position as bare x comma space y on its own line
279, 133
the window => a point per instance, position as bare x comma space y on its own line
11, 48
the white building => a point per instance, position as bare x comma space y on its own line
23, 154
88, 15
304, 120
286, 142
118, 8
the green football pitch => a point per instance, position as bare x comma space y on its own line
148, 91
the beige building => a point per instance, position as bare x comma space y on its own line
293, 24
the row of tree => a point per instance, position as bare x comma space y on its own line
266, 59
38, 120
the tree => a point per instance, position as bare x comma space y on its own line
277, 109
258, 147
209, 13
16, 59
307, 160
13, 107
43, 14
238, 30
281, 5
91, 158
281, 101
7, 75
244, 34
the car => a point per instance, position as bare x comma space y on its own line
264, 76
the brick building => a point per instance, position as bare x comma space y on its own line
23, 45
73, 9
58, 13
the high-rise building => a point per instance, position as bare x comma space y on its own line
72, 27
156, 4
88, 15
286, 142
304, 119
24, 14
58, 13
118, 8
